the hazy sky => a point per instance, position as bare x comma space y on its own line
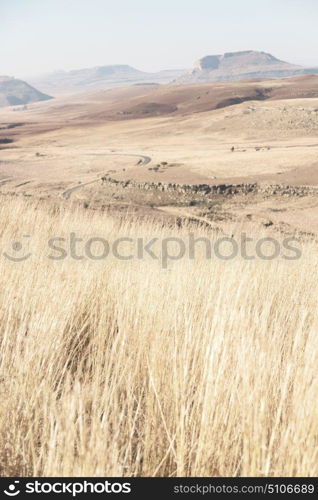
37, 36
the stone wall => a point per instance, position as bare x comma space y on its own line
206, 190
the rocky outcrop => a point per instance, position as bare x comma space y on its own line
241, 66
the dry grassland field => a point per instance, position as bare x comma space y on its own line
184, 360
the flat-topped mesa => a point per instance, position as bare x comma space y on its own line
241, 65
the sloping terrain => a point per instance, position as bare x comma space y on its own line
151, 101
241, 65
17, 92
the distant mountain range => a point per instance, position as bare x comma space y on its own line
230, 66
100, 77
17, 92
241, 66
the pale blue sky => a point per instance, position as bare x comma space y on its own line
37, 36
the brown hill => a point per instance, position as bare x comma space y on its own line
184, 100
17, 92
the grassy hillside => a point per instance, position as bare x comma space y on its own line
113, 367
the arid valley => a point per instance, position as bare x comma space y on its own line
154, 140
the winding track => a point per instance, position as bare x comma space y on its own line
6, 179
68, 193
143, 160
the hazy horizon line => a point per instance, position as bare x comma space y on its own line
68, 69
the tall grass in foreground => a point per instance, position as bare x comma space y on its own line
123, 368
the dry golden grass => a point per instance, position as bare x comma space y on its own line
125, 369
